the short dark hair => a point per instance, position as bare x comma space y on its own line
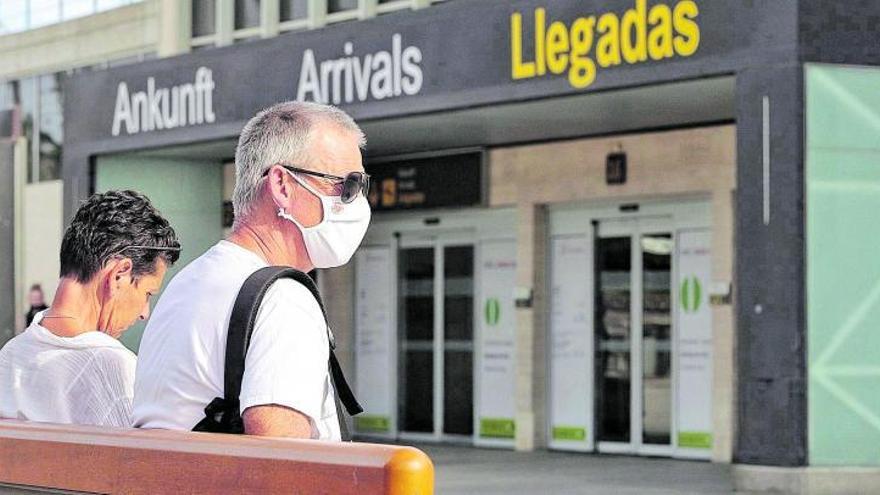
109, 223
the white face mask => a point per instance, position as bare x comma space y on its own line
333, 242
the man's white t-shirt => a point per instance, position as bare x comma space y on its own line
182, 354
85, 380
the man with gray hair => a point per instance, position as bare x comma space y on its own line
300, 201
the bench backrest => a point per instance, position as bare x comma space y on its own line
103, 460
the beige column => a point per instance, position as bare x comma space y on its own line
224, 16
724, 341
337, 290
270, 16
175, 27
367, 8
531, 343
317, 13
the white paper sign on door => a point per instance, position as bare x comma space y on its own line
374, 340
571, 343
497, 334
694, 342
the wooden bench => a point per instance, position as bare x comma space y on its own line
102, 460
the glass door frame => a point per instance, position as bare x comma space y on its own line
438, 241
635, 228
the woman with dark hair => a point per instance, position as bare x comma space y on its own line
68, 366
37, 302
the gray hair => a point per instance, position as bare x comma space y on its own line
280, 133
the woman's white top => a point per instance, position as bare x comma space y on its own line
86, 380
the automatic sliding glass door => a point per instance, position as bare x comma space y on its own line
436, 335
416, 358
656, 253
633, 329
614, 335
458, 340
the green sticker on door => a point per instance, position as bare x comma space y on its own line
492, 310
497, 428
691, 294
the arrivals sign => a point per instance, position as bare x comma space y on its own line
380, 75
599, 41
444, 58
157, 108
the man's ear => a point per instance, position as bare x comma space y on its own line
280, 187
118, 272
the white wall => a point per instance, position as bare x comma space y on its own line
42, 231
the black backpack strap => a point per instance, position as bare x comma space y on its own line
223, 415
241, 325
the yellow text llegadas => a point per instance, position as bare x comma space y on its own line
638, 35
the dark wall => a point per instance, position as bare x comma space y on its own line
7, 244
840, 32
770, 259
770, 270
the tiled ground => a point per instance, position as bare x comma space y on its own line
467, 470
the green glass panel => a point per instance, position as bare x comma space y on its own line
843, 268
188, 193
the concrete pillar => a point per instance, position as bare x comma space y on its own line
270, 17
175, 27
19, 180
367, 8
770, 268
7, 240
723, 341
317, 13
337, 290
225, 18
531, 343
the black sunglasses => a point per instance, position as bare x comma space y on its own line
347, 188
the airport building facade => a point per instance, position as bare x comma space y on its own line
614, 226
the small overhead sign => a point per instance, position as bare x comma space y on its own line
422, 183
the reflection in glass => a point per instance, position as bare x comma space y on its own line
203, 17
416, 330
458, 311
24, 96
7, 96
613, 330
247, 14
341, 5
51, 126
656, 334
294, 9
